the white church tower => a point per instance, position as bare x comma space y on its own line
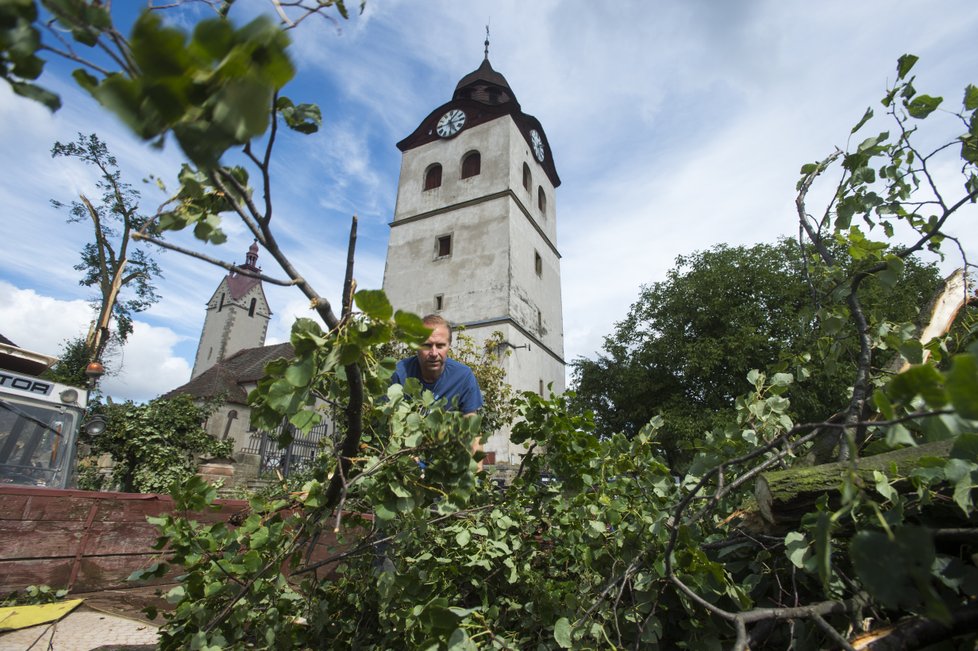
237, 316
474, 235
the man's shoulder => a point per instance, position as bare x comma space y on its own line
408, 367
458, 367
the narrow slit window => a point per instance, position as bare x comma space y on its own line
527, 177
542, 200
439, 302
251, 308
432, 177
537, 263
443, 246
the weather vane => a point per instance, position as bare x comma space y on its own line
487, 42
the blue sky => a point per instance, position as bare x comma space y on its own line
674, 126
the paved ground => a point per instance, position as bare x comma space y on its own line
110, 620
84, 629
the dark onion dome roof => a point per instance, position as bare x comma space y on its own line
483, 95
485, 85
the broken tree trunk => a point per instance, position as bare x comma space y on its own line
938, 316
784, 496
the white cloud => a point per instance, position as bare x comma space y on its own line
41, 323
144, 368
147, 366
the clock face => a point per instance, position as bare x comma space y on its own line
450, 123
537, 142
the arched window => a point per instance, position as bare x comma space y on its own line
542, 200
471, 164
251, 308
527, 179
432, 177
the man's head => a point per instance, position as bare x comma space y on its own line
433, 352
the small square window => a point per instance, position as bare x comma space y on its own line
439, 302
443, 246
537, 263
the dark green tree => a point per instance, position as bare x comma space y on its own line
688, 342
112, 262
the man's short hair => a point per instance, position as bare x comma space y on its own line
433, 321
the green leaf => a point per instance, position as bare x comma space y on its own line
305, 420
891, 275
374, 303
411, 326
304, 118
463, 537
912, 350
971, 97
904, 64
962, 385
899, 435
923, 105
865, 118
251, 561
796, 548
883, 404
36, 93
923, 380
897, 570
562, 633
965, 447
459, 641
299, 373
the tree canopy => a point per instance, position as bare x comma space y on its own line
122, 271
153, 446
685, 348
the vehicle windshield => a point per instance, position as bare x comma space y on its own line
35, 443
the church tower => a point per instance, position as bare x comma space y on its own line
237, 316
475, 229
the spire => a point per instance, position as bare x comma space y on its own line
251, 258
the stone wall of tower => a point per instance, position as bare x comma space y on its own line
497, 230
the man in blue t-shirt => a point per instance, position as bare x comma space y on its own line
444, 377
